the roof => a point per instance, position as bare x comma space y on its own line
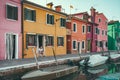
113, 22
37, 5
97, 13
74, 17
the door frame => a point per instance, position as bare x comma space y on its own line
79, 42
16, 44
43, 42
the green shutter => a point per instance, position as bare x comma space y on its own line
52, 41
25, 13
35, 40
16, 13
63, 41
60, 21
52, 19
64, 22
27, 40
8, 15
34, 15
48, 19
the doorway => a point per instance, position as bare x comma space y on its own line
40, 41
79, 48
11, 46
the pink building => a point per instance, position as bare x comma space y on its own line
100, 31
10, 29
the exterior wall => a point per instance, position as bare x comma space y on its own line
113, 34
41, 27
77, 36
101, 26
9, 26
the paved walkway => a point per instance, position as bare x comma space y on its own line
15, 63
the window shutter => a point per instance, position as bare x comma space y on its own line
63, 41
16, 13
58, 41
53, 41
64, 22
7, 11
35, 40
48, 18
27, 39
60, 21
25, 13
52, 19
34, 15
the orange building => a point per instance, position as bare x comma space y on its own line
76, 35
43, 26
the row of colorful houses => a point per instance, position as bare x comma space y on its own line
25, 25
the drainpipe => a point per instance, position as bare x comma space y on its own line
22, 28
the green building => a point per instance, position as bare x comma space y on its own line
113, 35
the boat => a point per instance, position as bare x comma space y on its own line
95, 60
50, 73
114, 76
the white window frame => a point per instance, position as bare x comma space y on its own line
84, 45
46, 19
89, 29
75, 27
84, 29
6, 11
76, 45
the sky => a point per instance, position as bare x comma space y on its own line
110, 8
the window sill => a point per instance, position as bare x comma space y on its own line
11, 19
60, 46
29, 20
30, 46
50, 24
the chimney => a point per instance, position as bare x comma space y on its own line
49, 5
58, 8
92, 14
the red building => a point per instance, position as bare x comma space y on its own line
76, 35
94, 38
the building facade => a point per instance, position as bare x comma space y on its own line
44, 27
113, 35
10, 29
76, 37
102, 39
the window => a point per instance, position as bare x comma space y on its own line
97, 31
12, 12
101, 44
96, 43
62, 22
74, 44
99, 20
49, 41
106, 44
74, 27
29, 14
50, 19
60, 41
106, 33
102, 32
83, 29
31, 40
83, 44
89, 28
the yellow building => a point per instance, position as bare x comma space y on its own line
43, 26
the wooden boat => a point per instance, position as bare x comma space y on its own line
49, 74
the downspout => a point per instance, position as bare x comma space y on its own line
22, 28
